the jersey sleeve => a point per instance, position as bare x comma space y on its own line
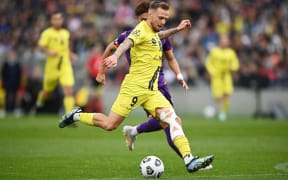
44, 38
120, 39
235, 62
137, 34
167, 45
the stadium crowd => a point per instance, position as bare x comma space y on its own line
258, 31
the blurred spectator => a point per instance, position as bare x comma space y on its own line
11, 77
96, 103
124, 15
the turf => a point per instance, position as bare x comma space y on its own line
35, 148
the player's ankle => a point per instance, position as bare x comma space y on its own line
134, 131
188, 158
76, 117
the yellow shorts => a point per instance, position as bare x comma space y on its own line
131, 97
52, 76
222, 85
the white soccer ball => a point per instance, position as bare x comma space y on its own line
209, 112
151, 167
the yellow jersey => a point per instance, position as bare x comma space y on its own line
56, 40
221, 61
146, 57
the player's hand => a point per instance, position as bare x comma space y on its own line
100, 78
110, 62
184, 24
182, 82
52, 53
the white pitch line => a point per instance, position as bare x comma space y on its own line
282, 167
181, 177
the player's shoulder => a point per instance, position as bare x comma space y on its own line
65, 31
231, 50
215, 49
142, 26
125, 33
47, 30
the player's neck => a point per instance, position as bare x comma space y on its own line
57, 28
150, 25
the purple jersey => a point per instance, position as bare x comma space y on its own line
166, 45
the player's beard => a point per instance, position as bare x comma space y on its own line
155, 27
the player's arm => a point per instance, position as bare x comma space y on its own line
102, 70
234, 67
108, 51
209, 65
47, 51
173, 64
43, 45
183, 24
234, 62
111, 61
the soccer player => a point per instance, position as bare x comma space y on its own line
54, 42
152, 124
140, 86
221, 63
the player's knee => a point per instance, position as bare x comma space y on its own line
179, 120
68, 90
166, 115
110, 127
46, 93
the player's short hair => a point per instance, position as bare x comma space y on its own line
159, 4
142, 7
56, 12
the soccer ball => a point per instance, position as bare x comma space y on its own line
151, 167
209, 112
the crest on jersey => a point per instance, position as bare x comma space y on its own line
154, 42
136, 32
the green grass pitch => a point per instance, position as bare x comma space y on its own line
244, 148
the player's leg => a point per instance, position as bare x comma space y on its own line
49, 84
217, 92
225, 98
108, 123
50, 81
42, 97
121, 108
162, 109
68, 100
67, 83
181, 142
151, 125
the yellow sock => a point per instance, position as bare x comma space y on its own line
181, 142
225, 105
40, 99
69, 103
86, 118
